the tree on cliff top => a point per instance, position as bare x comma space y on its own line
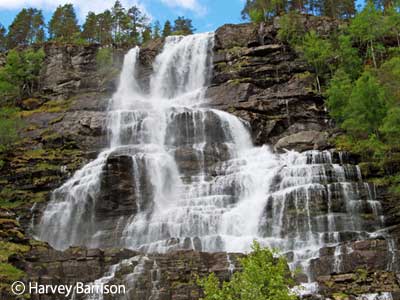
183, 26
26, 28
63, 25
3, 38
265, 276
167, 31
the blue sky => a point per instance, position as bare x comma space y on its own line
207, 15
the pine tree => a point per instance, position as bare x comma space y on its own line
367, 28
146, 34
317, 52
366, 108
298, 5
262, 10
349, 60
90, 28
26, 28
137, 21
3, 38
156, 30
105, 24
183, 26
393, 23
63, 25
167, 31
338, 95
119, 23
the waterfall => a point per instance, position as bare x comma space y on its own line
199, 183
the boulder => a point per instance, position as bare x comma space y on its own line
304, 140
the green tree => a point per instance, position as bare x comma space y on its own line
104, 59
19, 76
393, 23
104, 29
389, 77
183, 26
264, 277
3, 38
298, 5
291, 28
337, 8
120, 23
146, 35
367, 107
349, 59
10, 124
317, 52
262, 10
90, 28
156, 30
167, 31
391, 126
338, 94
63, 25
138, 21
26, 28
367, 28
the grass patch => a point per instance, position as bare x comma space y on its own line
7, 249
52, 106
10, 273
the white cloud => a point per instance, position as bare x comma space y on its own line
193, 5
82, 6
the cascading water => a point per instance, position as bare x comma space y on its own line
200, 183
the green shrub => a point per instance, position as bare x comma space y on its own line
265, 276
104, 58
10, 124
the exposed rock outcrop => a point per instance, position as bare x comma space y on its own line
264, 82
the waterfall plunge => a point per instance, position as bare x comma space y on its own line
199, 182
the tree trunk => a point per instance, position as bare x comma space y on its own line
373, 55
318, 85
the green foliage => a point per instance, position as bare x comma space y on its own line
391, 126
265, 276
262, 10
90, 28
10, 273
367, 28
291, 29
26, 28
10, 124
156, 30
367, 106
104, 58
167, 31
63, 25
19, 76
183, 26
317, 52
349, 60
3, 38
338, 93
389, 76
392, 23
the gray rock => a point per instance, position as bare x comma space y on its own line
304, 140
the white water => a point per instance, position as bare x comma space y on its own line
226, 194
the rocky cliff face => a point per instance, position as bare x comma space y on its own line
255, 77
264, 82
